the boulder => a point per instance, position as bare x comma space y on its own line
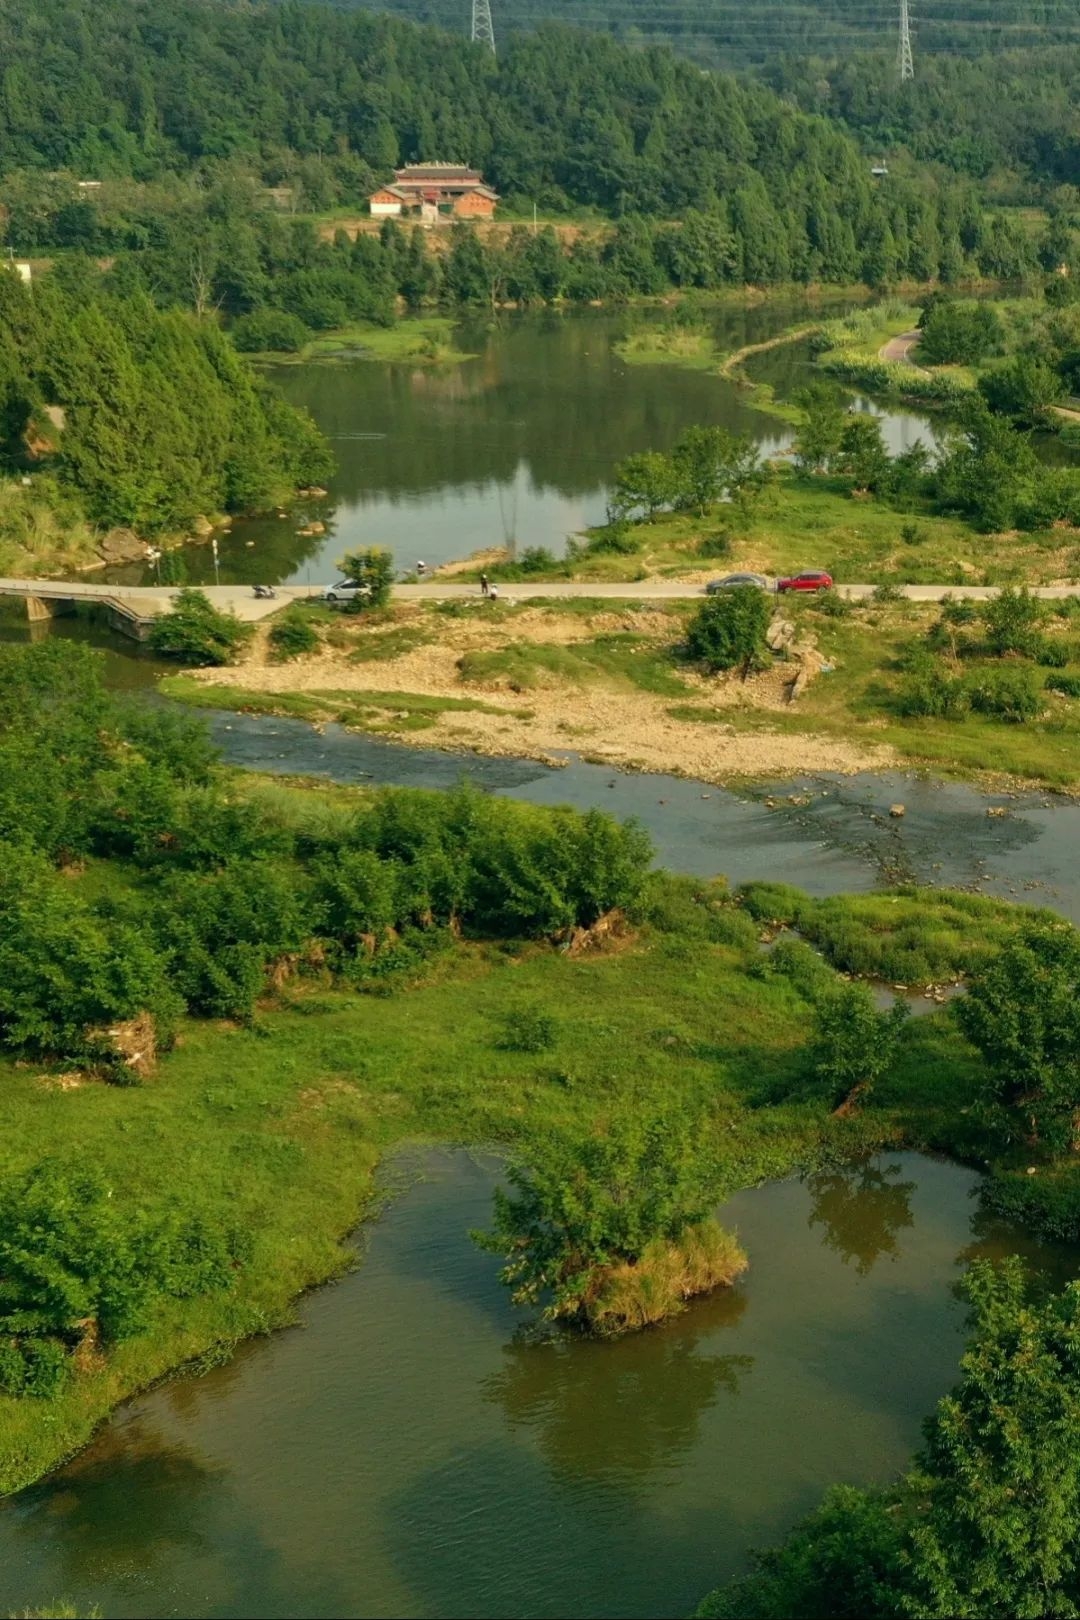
779, 635
809, 668
202, 528
121, 546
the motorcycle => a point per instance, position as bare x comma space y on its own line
266, 592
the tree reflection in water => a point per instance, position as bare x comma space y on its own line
861, 1211
620, 1411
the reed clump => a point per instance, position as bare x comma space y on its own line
637, 1294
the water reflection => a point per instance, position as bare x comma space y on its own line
603, 1415
861, 1212
513, 447
133, 1502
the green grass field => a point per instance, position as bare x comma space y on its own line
280, 1126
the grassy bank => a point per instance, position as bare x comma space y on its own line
418, 340
280, 1125
370, 710
816, 521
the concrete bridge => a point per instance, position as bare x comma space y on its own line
133, 608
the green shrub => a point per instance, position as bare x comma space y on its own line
292, 636
194, 632
76, 1261
833, 605
888, 592
930, 689
616, 537
1006, 694
1051, 654
728, 631
772, 902
804, 967
67, 974
595, 1228
373, 567
913, 534
527, 1029
536, 560
958, 610
1012, 620
1067, 685
224, 930
715, 545
269, 329
853, 1044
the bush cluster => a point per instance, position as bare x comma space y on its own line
230, 896
195, 632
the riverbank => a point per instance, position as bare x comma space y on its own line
281, 1123
606, 680
535, 681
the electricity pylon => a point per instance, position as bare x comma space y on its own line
904, 60
482, 31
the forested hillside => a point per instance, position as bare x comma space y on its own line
106, 88
120, 414
998, 118
328, 99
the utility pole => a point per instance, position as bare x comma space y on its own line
903, 61
482, 31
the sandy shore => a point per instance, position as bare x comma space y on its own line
610, 722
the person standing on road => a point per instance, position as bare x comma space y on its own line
483, 585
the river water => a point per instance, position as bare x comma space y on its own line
411, 1448
515, 446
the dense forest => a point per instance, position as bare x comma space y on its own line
185, 115
333, 99
122, 414
1009, 119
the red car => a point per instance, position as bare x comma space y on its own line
805, 582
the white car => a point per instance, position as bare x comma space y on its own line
346, 590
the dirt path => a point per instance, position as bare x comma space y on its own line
899, 349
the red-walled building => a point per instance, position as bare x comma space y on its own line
434, 189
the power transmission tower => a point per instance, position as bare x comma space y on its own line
482, 31
904, 61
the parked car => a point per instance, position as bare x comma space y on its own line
806, 582
731, 582
346, 590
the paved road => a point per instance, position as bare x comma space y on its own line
146, 601
673, 590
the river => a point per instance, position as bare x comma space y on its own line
514, 446
411, 1448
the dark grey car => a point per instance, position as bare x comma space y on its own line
731, 582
